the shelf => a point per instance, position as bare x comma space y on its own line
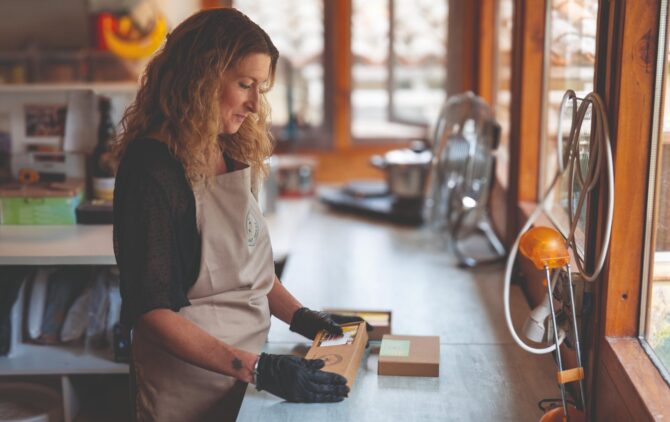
103, 87
56, 245
92, 244
37, 359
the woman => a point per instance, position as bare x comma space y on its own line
197, 276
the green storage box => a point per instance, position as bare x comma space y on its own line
53, 204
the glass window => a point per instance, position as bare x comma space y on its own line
296, 27
571, 32
503, 71
399, 66
657, 326
418, 71
369, 45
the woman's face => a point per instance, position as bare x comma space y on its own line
241, 89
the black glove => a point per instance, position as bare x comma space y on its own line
299, 380
308, 323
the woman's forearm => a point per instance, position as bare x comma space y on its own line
282, 303
185, 340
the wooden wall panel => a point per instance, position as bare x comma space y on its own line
646, 404
610, 407
343, 166
526, 109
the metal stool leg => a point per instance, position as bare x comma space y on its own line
574, 328
558, 350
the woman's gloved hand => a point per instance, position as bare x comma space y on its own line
299, 380
308, 323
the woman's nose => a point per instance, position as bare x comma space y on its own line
252, 101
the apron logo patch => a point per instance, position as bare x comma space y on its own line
253, 228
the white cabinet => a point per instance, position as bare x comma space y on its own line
55, 245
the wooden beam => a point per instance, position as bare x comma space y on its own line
630, 104
526, 109
462, 47
337, 71
487, 50
211, 4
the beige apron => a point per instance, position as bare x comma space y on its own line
228, 300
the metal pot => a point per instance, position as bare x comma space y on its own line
406, 171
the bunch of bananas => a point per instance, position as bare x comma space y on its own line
123, 39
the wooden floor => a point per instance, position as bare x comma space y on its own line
346, 261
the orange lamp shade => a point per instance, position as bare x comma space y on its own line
545, 247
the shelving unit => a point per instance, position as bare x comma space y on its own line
90, 245
58, 66
98, 87
37, 359
55, 245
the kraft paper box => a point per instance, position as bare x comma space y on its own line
380, 320
417, 356
342, 354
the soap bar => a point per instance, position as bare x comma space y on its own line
417, 356
341, 354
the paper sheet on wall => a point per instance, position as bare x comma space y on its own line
81, 122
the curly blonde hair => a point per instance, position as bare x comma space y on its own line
179, 91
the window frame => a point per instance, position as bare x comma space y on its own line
654, 184
622, 381
625, 380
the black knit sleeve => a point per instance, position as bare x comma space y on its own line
146, 241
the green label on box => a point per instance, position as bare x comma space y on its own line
394, 348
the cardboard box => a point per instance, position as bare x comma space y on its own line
342, 354
380, 320
417, 356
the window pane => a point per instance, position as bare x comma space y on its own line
370, 49
419, 66
572, 46
419, 60
658, 306
504, 82
296, 28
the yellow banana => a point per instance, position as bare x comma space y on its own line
134, 49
